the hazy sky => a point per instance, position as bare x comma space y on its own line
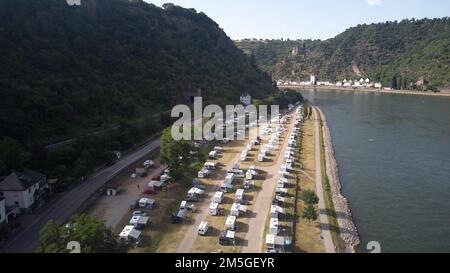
317, 19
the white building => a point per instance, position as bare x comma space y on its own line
2, 210
378, 85
246, 99
313, 79
23, 190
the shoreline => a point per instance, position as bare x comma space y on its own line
348, 230
366, 90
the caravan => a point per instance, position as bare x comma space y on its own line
239, 197
218, 197
230, 223
204, 173
203, 228
211, 166
225, 187
238, 210
229, 179
139, 222
130, 234
273, 226
213, 155
214, 209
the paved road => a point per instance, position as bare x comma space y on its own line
69, 203
327, 239
255, 235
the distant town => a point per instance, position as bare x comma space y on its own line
361, 83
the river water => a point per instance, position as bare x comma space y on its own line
393, 153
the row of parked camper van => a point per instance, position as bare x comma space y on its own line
274, 242
238, 209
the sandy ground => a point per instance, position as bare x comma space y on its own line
112, 209
255, 236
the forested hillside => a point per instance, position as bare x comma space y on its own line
106, 73
399, 52
66, 69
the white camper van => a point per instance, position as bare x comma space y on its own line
203, 228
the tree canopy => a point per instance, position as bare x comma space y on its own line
92, 235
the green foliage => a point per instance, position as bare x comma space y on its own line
175, 154
310, 197
282, 98
70, 70
92, 235
403, 50
11, 155
310, 213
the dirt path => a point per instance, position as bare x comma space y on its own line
255, 236
191, 235
327, 239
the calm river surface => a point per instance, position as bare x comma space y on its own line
393, 153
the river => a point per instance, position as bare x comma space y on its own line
393, 153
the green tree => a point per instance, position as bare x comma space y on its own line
175, 154
310, 213
92, 235
310, 197
11, 155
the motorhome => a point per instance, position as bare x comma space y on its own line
213, 155
225, 187
250, 174
203, 228
203, 173
130, 234
281, 191
187, 206
229, 179
275, 244
214, 209
239, 196
238, 210
277, 212
210, 166
139, 222
146, 203
230, 223
273, 226
194, 194
218, 197
261, 158
227, 237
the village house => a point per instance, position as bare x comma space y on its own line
246, 99
23, 190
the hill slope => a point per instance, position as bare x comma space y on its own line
70, 69
400, 51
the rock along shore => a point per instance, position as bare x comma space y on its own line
348, 230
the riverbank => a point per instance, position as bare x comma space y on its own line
368, 90
348, 230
